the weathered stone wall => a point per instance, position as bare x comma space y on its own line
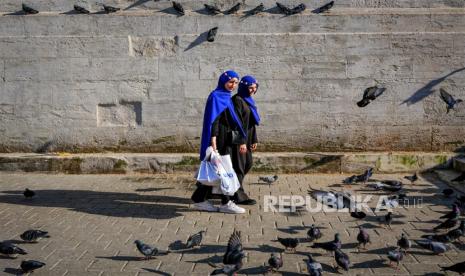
138, 80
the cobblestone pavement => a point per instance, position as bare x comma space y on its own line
93, 221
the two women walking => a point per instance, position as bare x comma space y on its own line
229, 127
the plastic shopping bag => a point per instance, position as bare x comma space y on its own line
207, 173
229, 183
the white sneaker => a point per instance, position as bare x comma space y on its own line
205, 206
231, 208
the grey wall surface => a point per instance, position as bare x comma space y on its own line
137, 80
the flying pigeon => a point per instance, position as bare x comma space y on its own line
268, 179
435, 247
370, 94
395, 256
29, 10
31, 265
458, 267
234, 9
34, 235
324, 8
147, 250
363, 237
412, 178
314, 268
289, 243
275, 262
449, 99
404, 243
227, 269
110, 9
178, 8
314, 233
195, 240
80, 9
212, 9
11, 249
211, 34
342, 259
331, 245
28, 193
258, 9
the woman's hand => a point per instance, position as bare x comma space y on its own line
243, 148
253, 146
213, 143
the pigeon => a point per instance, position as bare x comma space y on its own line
449, 223
404, 243
387, 219
11, 249
195, 240
268, 179
338, 200
314, 268
324, 8
289, 243
234, 9
275, 262
444, 238
459, 178
314, 233
34, 235
298, 9
80, 9
435, 247
147, 250
395, 256
110, 9
390, 202
350, 180
178, 8
284, 9
392, 182
358, 214
212, 9
211, 34
342, 259
363, 237
455, 213
447, 192
29, 10
370, 94
449, 99
331, 245
258, 9
31, 265
28, 193
412, 178
458, 267
227, 269
385, 187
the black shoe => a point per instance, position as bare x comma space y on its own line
247, 202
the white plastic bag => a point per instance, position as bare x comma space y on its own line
229, 183
207, 173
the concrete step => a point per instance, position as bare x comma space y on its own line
264, 162
459, 163
447, 176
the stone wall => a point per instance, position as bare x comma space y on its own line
137, 80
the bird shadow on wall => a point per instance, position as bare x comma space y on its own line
427, 90
199, 40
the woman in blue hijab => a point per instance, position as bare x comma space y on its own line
242, 153
219, 121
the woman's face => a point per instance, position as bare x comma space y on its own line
252, 89
231, 84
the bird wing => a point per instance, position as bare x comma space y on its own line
446, 97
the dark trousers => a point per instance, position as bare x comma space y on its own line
242, 163
204, 192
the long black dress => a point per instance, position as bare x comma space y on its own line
242, 163
221, 128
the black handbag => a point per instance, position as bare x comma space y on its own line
236, 137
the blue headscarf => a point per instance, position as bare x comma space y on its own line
244, 84
218, 100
